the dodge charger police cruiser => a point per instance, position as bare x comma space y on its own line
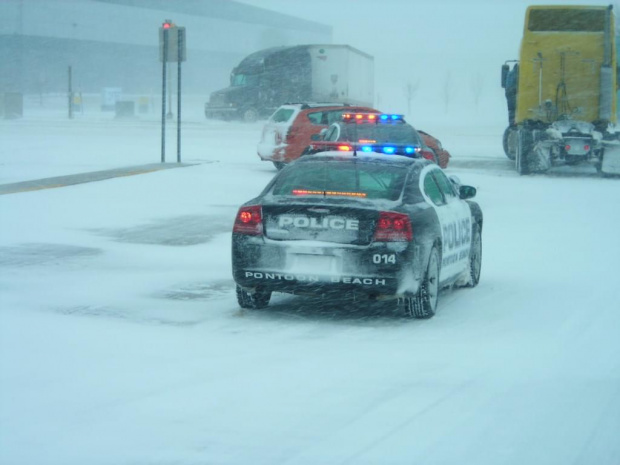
379, 225
372, 128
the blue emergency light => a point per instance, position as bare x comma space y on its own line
361, 118
390, 117
387, 149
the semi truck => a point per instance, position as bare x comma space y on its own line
269, 78
562, 91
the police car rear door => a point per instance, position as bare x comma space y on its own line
454, 218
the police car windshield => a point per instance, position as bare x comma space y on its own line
382, 133
338, 178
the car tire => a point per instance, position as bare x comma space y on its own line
258, 299
423, 305
279, 165
475, 257
250, 115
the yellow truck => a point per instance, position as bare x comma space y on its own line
561, 93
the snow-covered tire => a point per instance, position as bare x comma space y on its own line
279, 165
259, 299
475, 257
598, 164
509, 142
524, 148
423, 305
250, 115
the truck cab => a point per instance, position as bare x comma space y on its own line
261, 82
561, 93
272, 77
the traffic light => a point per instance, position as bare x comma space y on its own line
173, 36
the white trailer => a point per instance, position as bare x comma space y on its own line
269, 78
341, 73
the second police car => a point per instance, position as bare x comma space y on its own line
370, 127
383, 223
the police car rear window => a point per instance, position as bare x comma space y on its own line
382, 133
337, 178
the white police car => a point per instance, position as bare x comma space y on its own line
369, 224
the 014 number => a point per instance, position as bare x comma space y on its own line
384, 258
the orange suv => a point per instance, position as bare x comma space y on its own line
293, 127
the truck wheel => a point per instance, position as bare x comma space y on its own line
259, 299
598, 160
250, 115
510, 142
524, 147
424, 304
475, 257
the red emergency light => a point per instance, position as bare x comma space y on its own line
359, 117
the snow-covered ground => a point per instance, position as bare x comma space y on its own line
121, 341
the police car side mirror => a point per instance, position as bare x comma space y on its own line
505, 69
467, 192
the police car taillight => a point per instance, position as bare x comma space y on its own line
249, 221
393, 227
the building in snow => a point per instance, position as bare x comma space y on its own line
115, 43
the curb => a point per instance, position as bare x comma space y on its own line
72, 179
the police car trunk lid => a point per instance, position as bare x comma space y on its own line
324, 223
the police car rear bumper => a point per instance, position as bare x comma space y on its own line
313, 283
378, 269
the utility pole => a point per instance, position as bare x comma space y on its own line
171, 48
70, 92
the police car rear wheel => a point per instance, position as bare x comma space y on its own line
259, 299
475, 257
424, 303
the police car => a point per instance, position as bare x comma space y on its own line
369, 128
369, 223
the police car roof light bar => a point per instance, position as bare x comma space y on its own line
386, 149
389, 117
359, 117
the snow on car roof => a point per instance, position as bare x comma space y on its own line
361, 156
